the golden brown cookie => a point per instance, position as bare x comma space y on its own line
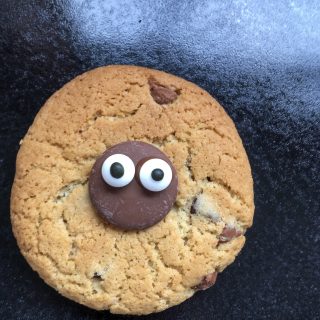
95, 263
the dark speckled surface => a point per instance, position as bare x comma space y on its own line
261, 59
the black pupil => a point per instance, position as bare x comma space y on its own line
157, 174
117, 170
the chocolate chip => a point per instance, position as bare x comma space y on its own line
193, 207
97, 276
208, 281
228, 233
160, 93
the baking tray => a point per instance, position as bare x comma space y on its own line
260, 59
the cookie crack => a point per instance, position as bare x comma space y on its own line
67, 189
233, 194
188, 164
58, 146
46, 255
113, 117
160, 256
134, 83
153, 270
213, 129
230, 156
73, 248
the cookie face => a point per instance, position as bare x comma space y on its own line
148, 190
78, 240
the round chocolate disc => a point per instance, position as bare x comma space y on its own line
133, 206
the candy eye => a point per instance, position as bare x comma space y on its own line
155, 175
118, 170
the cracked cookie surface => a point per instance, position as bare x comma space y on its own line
96, 264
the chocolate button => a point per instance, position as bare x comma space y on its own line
132, 207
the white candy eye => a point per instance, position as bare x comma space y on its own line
118, 170
155, 175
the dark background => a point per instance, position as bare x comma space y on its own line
260, 59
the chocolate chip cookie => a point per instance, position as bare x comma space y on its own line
132, 190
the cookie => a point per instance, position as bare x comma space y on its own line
79, 243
